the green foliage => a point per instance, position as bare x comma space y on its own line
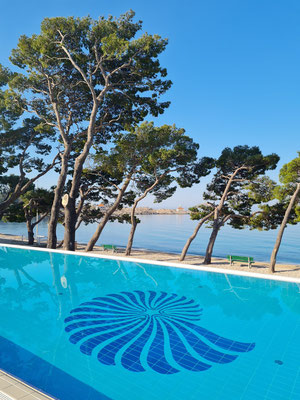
290, 173
270, 216
98, 186
38, 200
160, 156
261, 190
23, 150
109, 55
239, 171
8, 184
249, 157
200, 211
248, 161
26, 208
87, 80
8, 115
26, 146
14, 213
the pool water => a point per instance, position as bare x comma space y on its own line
89, 328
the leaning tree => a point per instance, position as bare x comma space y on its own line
286, 208
149, 160
87, 79
97, 194
227, 198
117, 166
289, 194
24, 146
169, 159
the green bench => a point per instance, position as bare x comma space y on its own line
111, 247
248, 260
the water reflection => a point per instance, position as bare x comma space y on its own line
46, 284
240, 298
291, 298
31, 277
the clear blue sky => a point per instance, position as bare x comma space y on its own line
235, 66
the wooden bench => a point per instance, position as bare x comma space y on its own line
111, 247
248, 260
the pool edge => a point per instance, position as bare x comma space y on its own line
23, 383
161, 263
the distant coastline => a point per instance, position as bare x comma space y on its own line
153, 211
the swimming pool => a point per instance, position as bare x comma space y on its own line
91, 328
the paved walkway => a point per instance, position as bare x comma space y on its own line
13, 389
289, 270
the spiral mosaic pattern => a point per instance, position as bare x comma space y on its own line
142, 330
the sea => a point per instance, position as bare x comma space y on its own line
168, 233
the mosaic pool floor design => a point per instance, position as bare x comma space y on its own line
160, 326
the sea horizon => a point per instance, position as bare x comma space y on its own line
168, 233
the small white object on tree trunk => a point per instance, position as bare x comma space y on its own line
65, 200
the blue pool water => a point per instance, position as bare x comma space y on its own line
82, 327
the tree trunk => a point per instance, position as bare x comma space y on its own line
70, 209
281, 229
218, 223
130, 238
133, 226
70, 224
73, 222
79, 222
100, 227
56, 205
133, 219
60, 244
30, 233
192, 237
211, 243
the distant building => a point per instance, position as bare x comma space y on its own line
180, 209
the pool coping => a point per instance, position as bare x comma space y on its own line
14, 382
162, 263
